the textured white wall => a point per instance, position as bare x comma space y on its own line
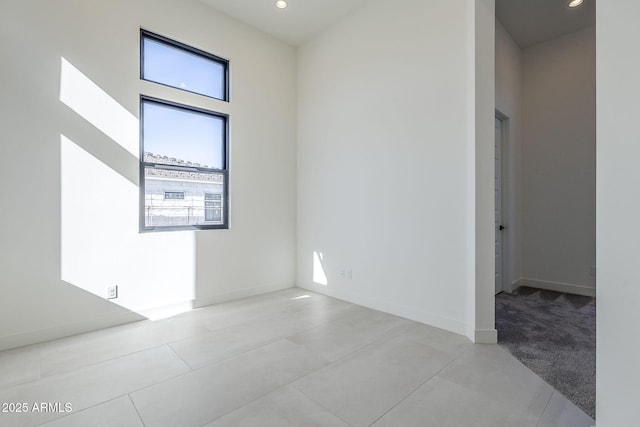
386, 134
558, 162
618, 235
509, 102
52, 158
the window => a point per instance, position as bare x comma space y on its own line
174, 195
174, 64
183, 148
183, 167
212, 207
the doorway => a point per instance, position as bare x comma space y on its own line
500, 194
545, 83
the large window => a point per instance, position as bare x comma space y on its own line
174, 64
183, 148
183, 167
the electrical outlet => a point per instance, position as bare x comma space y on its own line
112, 292
346, 274
592, 271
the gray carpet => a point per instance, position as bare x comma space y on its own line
554, 334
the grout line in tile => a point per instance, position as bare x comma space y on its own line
327, 363
290, 383
173, 350
324, 322
262, 344
136, 409
323, 407
91, 365
104, 361
388, 334
39, 347
545, 408
203, 366
82, 410
416, 389
381, 337
150, 347
132, 391
385, 335
243, 352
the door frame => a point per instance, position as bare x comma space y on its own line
504, 205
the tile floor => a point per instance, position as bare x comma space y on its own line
288, 358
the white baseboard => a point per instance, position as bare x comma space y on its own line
38, 336
555, 286
485, 336
513, 286
41, 335
478, 336
157, 313
243, 293
395, 309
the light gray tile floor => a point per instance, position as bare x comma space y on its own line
288, 358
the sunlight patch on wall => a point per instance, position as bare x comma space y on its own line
101, 245
319, 275
92, 103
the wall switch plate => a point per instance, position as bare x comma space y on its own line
112, 292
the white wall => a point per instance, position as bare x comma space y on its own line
481, 293
509, 102
558, 163
386, 135
618, 234
69, 171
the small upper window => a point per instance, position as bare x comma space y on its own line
177, 65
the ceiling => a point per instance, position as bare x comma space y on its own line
528, 21
534, 21
296, 24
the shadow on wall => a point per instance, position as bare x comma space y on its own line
100, 241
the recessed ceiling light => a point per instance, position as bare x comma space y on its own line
575, 3
281, 4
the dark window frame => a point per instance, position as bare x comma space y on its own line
144, 34
224, 172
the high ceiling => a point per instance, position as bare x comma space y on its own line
296, 24
533, 21
528, 21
